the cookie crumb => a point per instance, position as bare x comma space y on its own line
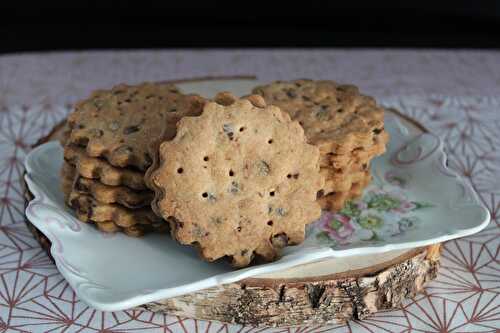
263, 168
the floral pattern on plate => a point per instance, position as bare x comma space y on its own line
384, 211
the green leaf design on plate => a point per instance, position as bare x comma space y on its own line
383, 202
323, 237
375, 238
350, 209
421, 205
335, 224
370, 222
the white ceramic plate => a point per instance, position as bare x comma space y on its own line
413, 201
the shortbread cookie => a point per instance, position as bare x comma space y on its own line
67, 176
119, 124
113, 194
100, 169
238, 180
335, 201
358, 154
136, 230
88, 208
104, 193
336, 118
335, 182
223, 98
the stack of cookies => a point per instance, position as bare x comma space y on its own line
346, 126
107, 153
234, 177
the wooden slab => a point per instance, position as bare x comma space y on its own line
329, 291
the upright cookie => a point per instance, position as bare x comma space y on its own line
238, 180
336, 118
119, 124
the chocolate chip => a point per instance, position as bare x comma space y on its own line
234, 188
131, 129
291, 94
148, 160
263, 168
215, 220
279, 240
323, 112
81, 187
113, 126
209, 196
259, 92
124, 150
98, 103
75, 204
228, 130
306, 98
90, 212
281, 211
377, 130
96, 133
198, 231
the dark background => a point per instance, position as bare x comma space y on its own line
75, 25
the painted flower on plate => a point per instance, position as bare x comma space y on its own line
337, 227
395, 178
371, 222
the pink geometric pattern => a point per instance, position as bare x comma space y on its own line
454, 94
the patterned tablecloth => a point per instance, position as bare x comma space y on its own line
456, 94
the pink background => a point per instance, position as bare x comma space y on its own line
456, 94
